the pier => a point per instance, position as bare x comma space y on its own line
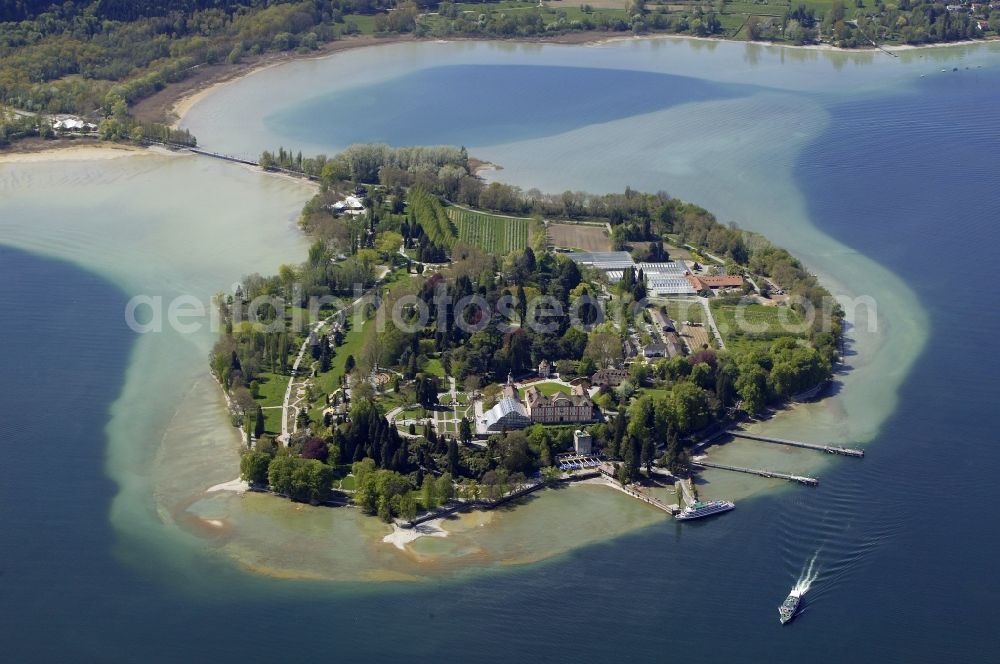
801, 479
830, 449
607, 471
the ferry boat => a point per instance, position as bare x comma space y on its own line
788, 608
698, 509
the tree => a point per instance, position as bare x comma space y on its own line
305, 480
253, 467
258, 428
465, 433
428, 493
427, 391
408, 507
444, 488
751, 387
647, 454
384, 510
604, 346
453, 458
315, 448
676, 457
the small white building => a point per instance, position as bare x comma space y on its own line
351, 205
583, 442
72, 124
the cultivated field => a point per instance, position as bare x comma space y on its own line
696, 337
747, 325
579, 236
492, 233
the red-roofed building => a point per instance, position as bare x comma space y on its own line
707, 282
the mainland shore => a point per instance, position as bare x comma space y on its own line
171, 104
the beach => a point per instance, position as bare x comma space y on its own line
41, 151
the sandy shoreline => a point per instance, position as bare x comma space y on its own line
400, 537
171, 104
53, 151
70, 150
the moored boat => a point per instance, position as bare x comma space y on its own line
698, 509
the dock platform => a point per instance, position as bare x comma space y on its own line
801, 479
829, 449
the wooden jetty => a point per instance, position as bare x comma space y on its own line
830, 449
801, 479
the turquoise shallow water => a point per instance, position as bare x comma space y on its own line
893, 194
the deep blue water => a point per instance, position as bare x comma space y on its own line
505, 103
906, 538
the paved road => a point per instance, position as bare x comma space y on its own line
285, 433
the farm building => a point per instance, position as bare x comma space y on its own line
702, 283
662, 279
675, 347
661, 321
668, 269
665, 286
603, 260
654, 350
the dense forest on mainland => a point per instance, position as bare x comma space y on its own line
83, 57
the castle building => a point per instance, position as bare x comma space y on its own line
559, 408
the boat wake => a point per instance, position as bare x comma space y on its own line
806, 578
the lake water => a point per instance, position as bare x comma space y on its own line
882, 174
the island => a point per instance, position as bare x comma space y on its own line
451, 344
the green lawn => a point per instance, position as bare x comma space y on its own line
494, 234
434, 368
364, 23
390, 399
548, 389
655, 392
272, 389
685, 310
272, 393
